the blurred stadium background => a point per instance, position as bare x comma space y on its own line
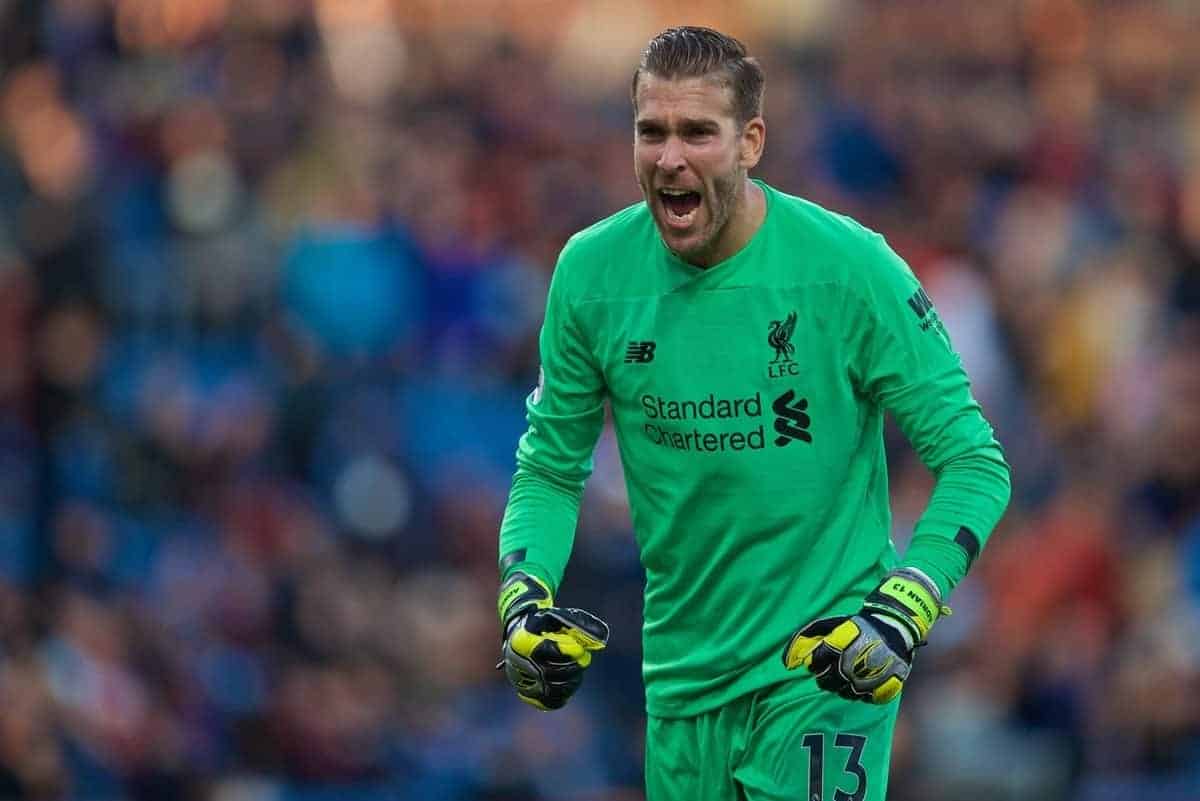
271, 273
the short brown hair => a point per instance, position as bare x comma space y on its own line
693, 52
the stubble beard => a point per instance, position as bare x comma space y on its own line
724, 200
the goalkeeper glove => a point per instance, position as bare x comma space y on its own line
867, 656
546, 647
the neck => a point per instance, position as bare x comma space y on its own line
749, 211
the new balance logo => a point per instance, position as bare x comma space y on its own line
793, 420
640, 352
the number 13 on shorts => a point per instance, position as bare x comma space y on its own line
855, 773
786, 742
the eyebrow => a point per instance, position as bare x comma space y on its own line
704, 123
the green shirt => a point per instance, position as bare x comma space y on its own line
748, 401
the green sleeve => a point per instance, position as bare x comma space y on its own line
910, 369
554, 457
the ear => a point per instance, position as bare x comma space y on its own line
750, 148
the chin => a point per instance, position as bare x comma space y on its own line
680, 244
689, 245
692, 248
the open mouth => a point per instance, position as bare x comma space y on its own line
680, 205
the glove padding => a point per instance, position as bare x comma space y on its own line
868, 656
546, 647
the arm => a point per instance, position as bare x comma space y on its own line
903, 362
909, 368
546, 648
554, 457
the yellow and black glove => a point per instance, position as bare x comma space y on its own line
867, 656
546, 647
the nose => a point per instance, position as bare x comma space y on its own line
671, 157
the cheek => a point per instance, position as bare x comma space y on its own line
644, 160
719, 163
721, 175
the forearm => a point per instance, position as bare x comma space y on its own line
968, 499
538, 529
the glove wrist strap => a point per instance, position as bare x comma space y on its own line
522, 593
912, 598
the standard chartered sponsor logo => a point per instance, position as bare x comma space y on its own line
710, 442
710, 407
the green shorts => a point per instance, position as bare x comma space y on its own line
787, 742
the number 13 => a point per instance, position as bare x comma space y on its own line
815, 743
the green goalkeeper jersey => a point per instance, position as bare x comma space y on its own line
748, 401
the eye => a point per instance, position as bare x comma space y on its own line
649, 133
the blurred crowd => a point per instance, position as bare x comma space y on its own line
271, 276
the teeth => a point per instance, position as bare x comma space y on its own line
675, 192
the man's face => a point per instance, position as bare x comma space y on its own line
691, 158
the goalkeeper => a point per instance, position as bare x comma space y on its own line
749, 344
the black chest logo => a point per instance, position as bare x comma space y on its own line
779, 337
792, 421
638, 352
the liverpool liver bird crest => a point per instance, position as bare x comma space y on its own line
780, 338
